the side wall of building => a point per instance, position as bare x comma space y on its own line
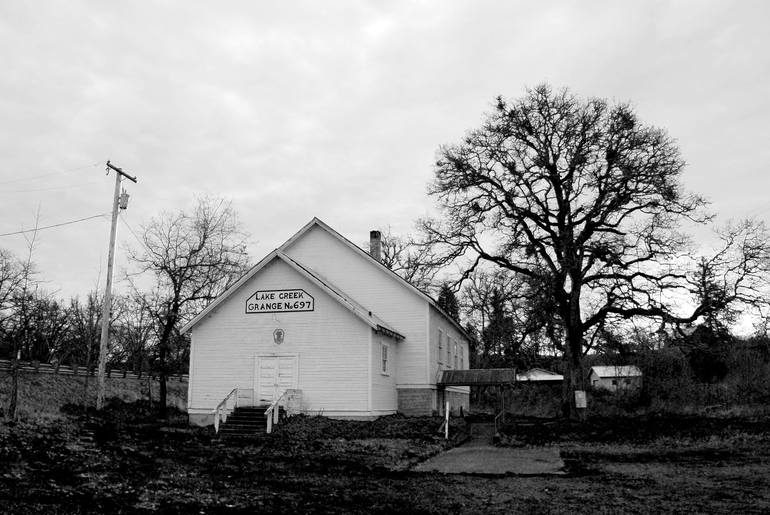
384, 397
615, 383
446, 348
449, 351
332, 347
375, 289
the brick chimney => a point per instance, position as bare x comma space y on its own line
375, 245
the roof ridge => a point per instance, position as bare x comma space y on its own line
323, 225
334, 291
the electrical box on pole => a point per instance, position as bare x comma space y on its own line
124, 199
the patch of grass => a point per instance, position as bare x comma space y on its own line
41, 396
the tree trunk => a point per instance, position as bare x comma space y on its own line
162, 411
574, 380
574, 377
163, 352
162, 356
14, 389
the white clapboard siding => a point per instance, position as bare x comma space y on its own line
376, 289
384, 393
450, 333
330, 343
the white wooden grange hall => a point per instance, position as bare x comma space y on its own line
325, 321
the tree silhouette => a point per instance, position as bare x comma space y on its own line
580, 197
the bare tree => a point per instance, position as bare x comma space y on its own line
580, 197
412, 260
192, 258
734, 278
22, 315
85, 323
11, 280
135, 329
511, 315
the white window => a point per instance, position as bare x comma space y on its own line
462, 358
440, 345
457, 355
449, 352
384, 358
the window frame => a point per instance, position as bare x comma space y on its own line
384, 358
440, 346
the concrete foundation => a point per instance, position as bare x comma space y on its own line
431, 401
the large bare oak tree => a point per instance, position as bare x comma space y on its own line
581, 198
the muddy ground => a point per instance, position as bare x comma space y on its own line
125, 461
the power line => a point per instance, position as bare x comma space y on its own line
64, 172
131, 230
52, 188
55, 225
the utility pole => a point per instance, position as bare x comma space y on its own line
106, 305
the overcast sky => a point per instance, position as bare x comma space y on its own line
336, 109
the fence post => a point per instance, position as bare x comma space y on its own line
446, 422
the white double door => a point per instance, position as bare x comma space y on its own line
274, 375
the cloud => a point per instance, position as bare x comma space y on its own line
336, 109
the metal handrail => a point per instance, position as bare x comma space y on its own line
222, 411
272, 413
501, 414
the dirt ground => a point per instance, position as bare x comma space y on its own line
125, 461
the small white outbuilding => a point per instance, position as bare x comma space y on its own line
326, 320
615, 377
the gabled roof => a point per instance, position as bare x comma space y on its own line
318, 222
617, 371
345, 300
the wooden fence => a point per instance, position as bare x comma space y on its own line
76, 370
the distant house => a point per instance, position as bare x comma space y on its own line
539, 375
328, 322
615, 377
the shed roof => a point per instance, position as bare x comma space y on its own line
345, 300
616, 371
478, 377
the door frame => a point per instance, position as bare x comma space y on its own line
258, 358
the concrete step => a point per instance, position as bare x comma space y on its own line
242, 431
244, 427
251, 409
482, 433
245, 423
247, 418
235, 437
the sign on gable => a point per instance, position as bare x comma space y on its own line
280, 301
